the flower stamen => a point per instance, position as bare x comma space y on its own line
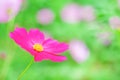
38, 47
9, 11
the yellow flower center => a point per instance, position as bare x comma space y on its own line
38, 47
9, 11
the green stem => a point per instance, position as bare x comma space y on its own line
20, 76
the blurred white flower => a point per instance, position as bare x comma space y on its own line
9, 9
114, 22
79, 51
45, 16
70, 13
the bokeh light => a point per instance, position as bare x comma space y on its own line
45, 16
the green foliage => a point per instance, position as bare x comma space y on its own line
104, 61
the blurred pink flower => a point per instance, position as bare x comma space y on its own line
73, 13
2, 55
39, 47
114, 22
45, 16
79, 51
70, 13
104, 38
87, 13
9, 9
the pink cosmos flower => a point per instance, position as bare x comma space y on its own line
114, 22
70, 13
9, 9
79, 51
35, 43
45, 16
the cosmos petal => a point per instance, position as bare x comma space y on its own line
47, 56
54, 47
36, 36
20, 36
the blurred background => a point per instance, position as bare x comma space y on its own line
90, 27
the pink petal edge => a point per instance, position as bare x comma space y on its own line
47, 56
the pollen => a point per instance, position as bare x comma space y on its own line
38, 47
